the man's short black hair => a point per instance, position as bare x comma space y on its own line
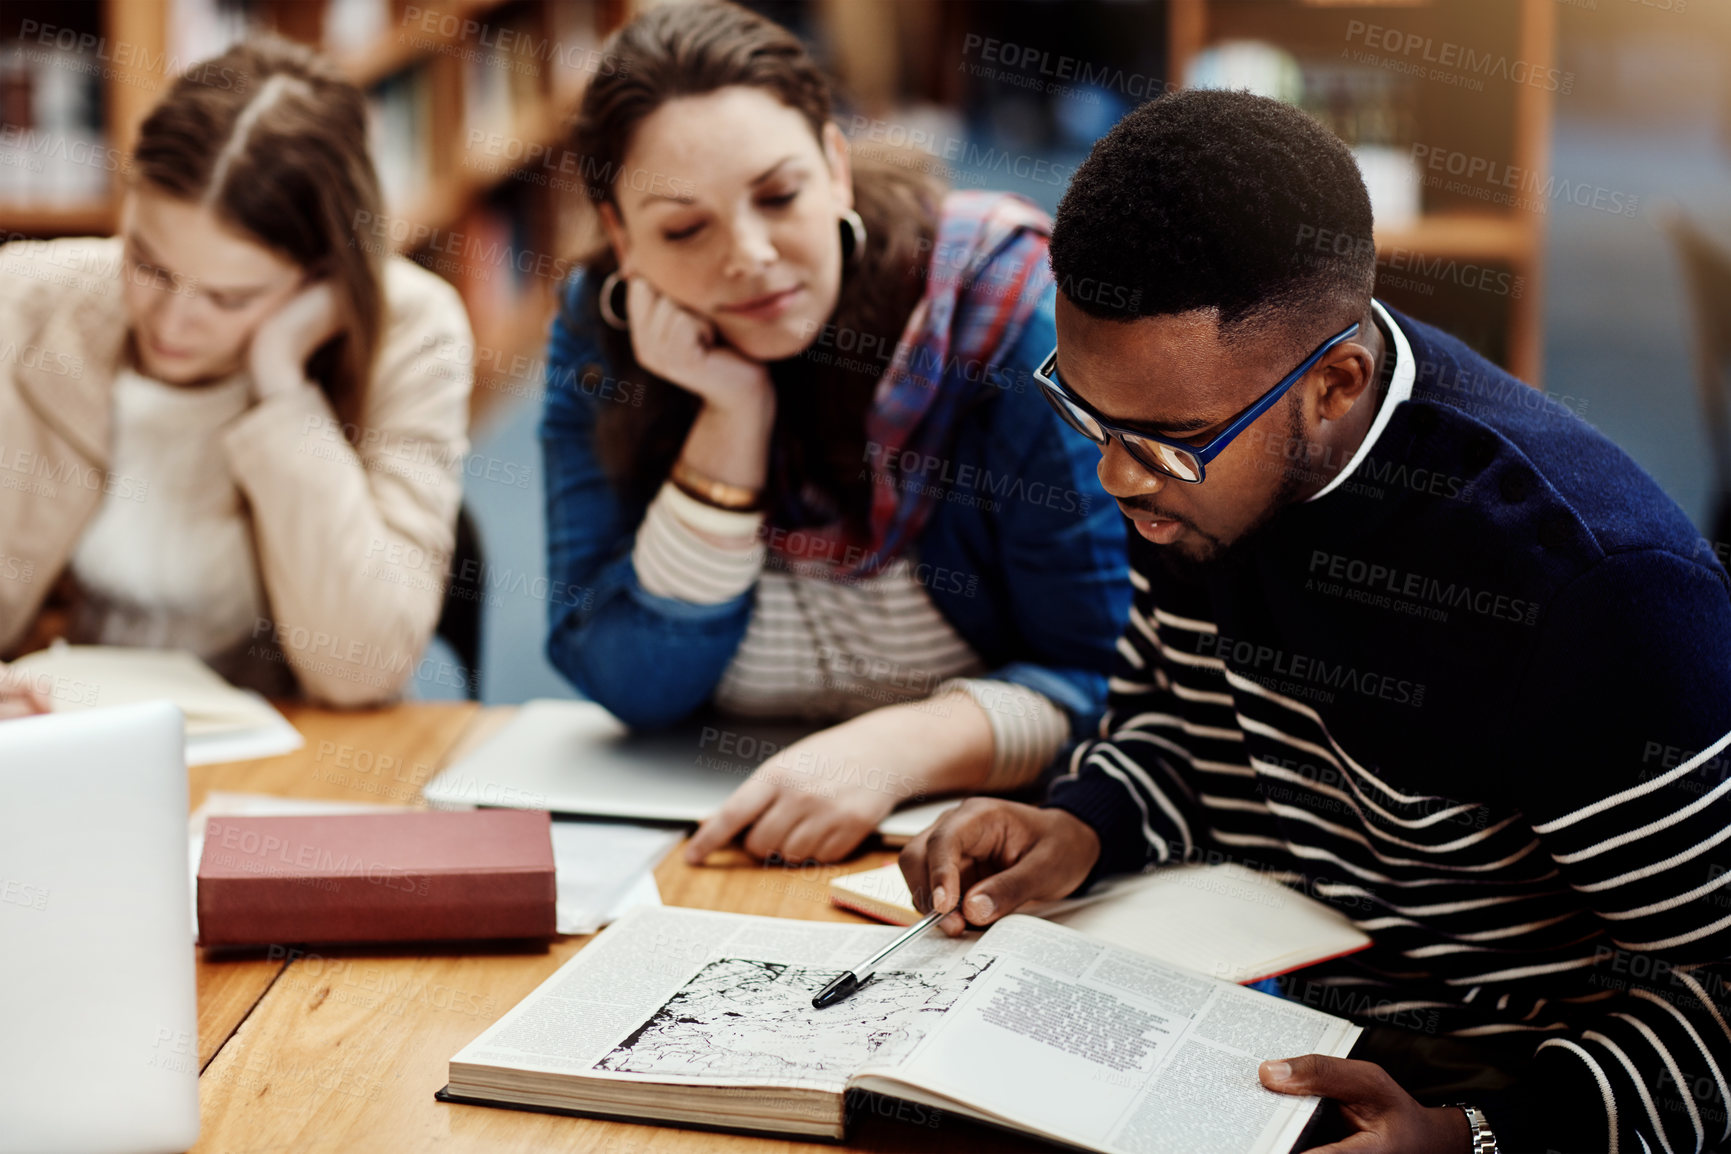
1225, 200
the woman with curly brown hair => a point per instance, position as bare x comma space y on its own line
795, 453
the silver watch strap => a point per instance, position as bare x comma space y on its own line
1483, 1141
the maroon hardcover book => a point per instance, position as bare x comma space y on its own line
387, 877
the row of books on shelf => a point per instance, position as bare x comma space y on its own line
498, 263
512, 66
1373, 109
509, 80
516, 68
53, 145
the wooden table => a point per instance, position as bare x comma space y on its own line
342, 1050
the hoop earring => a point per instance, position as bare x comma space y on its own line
612, 315
853, 237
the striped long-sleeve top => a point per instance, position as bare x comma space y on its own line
1476, 694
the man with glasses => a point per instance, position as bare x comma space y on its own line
1406, 634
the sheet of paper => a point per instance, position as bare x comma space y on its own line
684, 995
642, 892
267, 739
1152, 1059
601, 864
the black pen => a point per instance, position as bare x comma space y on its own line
853, 979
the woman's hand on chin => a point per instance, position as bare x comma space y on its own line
281, 345
673, 342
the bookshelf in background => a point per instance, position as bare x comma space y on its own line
468, 100
1389, 75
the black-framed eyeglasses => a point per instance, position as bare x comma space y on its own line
1161, 454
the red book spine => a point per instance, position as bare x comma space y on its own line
376, 878
388, 907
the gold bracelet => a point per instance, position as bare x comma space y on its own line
701, 487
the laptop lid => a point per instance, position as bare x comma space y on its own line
575, 757
98, 1004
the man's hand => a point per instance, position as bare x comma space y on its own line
1385, 1118
987, 857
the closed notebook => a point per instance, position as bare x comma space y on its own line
409, 876
1224, 920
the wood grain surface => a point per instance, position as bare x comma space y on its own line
341, 1050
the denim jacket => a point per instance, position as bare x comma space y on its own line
1025, 557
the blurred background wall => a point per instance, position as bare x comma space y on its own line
1546, 173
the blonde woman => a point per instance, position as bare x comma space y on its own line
235, 428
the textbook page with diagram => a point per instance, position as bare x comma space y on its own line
700, 1018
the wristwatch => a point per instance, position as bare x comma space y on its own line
1484, 1142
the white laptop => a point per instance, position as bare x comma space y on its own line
575, 757
98, 1007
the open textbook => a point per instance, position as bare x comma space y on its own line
705, 1019
222, 723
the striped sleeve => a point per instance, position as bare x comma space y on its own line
1028, 729
1126, 784
1654, 1056
673, 560
1627, 783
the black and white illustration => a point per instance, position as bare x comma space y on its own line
744, 1018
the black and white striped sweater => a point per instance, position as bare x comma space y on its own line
1477, 695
